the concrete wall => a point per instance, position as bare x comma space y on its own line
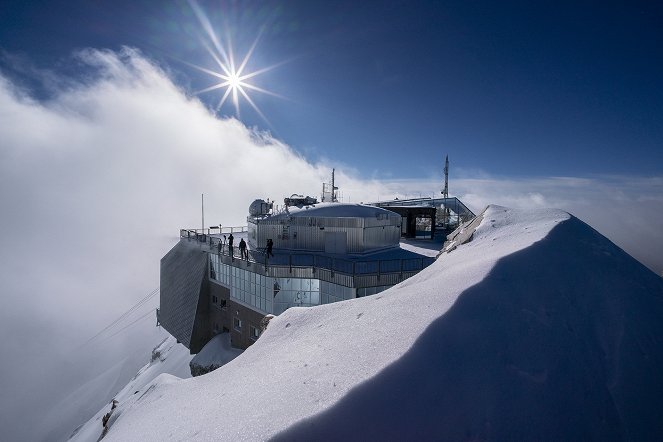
241, 338
219, 311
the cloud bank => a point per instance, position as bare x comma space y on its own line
97, 180
626, 209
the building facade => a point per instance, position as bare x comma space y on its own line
322, 253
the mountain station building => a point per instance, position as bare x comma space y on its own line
322, 253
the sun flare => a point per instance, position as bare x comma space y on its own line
232, 77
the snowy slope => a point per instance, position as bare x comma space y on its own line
168, 357
102, 369
539, 328
216, 353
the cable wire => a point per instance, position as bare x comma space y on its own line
123, 316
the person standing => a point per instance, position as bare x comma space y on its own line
270, 244
242, 250
230, 246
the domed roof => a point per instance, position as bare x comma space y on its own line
336, 210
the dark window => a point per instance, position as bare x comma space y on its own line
254, 333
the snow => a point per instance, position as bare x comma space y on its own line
167, 357
538, 328
424, 247
216, 353
102, 370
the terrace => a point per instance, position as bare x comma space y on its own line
385, 267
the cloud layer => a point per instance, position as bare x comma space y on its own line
97, 180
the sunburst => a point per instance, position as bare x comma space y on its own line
232, 78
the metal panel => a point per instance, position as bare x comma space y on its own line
336, 242
183, 270
308, 233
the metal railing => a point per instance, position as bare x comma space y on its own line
202, 235
310, 261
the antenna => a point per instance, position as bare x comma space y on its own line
329, 190
334, 188
445, 192
202, 209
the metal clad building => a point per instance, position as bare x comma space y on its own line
183, 281
327, 227
323, 253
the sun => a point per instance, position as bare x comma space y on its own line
234, 79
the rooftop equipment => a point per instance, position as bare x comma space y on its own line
299, 200
260, 207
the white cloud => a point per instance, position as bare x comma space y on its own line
97, 180
95, 183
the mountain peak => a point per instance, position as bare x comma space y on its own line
537, 328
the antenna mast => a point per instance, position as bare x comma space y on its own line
329, 190
202, 210
445, 192
334, 188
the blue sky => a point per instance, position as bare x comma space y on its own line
506, 88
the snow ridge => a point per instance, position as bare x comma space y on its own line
539, 328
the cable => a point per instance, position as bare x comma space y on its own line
128, 325
123, 316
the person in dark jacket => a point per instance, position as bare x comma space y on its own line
230, 246
270, 244
243, 253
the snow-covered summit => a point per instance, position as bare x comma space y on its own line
539, 328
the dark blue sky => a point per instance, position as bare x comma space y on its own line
507, 88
